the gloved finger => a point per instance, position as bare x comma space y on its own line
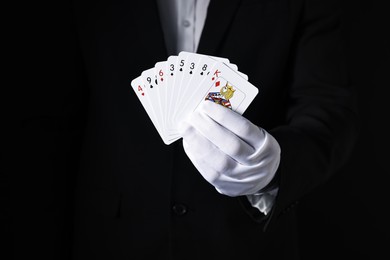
223, 138
233, 121
222, 184
215, 164
209, 175
227, 175
202, 149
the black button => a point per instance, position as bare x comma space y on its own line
179, 209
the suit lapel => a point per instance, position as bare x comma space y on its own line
219, 18
150, 25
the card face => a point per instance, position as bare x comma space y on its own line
191, 64
170, 82
141, 91
179, 69
174, 88
200, 73
138, 86
150, 81
232, 92
203, 69
232, 86
159, 92
214, 81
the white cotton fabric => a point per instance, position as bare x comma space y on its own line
183, 23
234, 155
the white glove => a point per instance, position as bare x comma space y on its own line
234, 155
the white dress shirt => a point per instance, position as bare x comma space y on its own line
182, 23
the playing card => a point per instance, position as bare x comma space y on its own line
201, 68
160, 91
223, 86
227, 93
174, 88
179, 73
150, 81
170, 82
190, 65
141, 91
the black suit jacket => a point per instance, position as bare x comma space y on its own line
137, 198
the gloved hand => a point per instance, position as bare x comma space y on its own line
234, 155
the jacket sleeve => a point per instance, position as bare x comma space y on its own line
321, 121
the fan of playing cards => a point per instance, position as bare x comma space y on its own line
174, 88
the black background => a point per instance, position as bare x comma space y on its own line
348, 217
356, 224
